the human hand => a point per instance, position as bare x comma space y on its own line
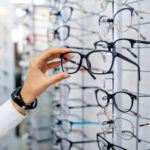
36, 81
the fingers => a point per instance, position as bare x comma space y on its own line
57, 77
46, 54
50, 65
68, 55
53, 64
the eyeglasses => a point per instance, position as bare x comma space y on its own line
65, 14
57, 141
123, 127
101, 59
67, 144
64, 89
106, 23
62, 33
66, 125
103, 99
56, 119
123, 44
103, 144
66, 109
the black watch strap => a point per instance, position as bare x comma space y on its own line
16, 97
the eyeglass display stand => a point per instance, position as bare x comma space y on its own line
118, 85
82, 114
138, 84
117, 75
83, 78
116, 82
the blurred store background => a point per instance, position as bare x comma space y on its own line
70, 114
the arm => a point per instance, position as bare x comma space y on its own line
36, 82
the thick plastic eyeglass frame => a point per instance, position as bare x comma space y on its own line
109, 144
71, 143
111, 45
111, 96
82, 56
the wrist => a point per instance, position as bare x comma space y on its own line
27, 98
17, 98
18, 108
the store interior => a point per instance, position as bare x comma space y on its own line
104, 105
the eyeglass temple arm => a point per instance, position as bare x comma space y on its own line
79, 48
138, 11
135, 29
133, 54
89, 87
85, 123
126, 131
129, 60
82, 66
143, 42
84, 106
132, 44
139, 140
141, 125
88, 141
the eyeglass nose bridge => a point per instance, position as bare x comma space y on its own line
110, 96
87, 61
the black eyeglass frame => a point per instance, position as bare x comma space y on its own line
111, 96
111, 45
110, 145
68, 28
82, 56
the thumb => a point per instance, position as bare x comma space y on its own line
57, 77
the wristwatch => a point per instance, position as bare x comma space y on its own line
16, 97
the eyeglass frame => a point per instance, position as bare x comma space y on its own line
59, 13
111, 96
110, 145
74, 142
71, 123
56, 33
112, 121
131, 9
113, 53
111, 45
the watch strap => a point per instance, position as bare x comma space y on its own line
16, 97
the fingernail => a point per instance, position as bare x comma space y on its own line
66, 75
